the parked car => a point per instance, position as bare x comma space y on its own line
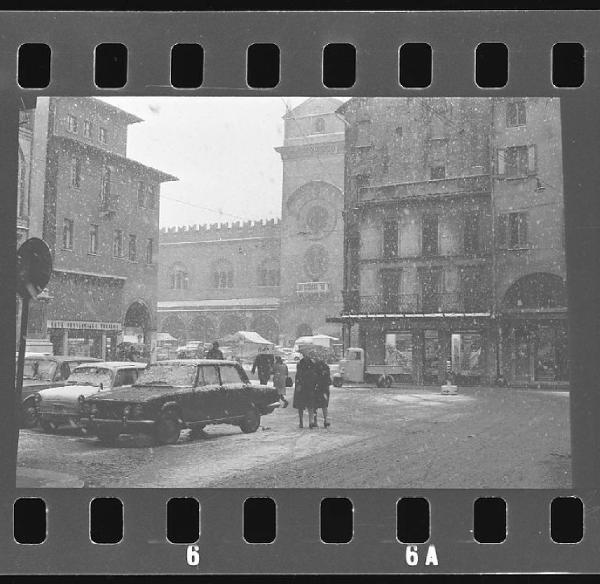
60, 406
41, 371
177, 394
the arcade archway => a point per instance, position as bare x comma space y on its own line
266, 326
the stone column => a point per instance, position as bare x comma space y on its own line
103, 345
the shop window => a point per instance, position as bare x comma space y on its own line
22, 201
517, 161
118, 243
390, 239
429, 235
471, 233
399, 352
68, 234
132, 248
93, 243
551, 362
467, 354
516, 113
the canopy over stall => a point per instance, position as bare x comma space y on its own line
245, 345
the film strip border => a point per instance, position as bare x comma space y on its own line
299, 531
301, 37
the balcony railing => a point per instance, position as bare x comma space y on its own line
312, 290
443, 302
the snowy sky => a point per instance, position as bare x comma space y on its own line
220, 148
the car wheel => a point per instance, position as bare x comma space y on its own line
167, 430
48, 426
251, 421
109, 437
29, 417
389, 380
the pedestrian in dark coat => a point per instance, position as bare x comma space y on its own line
264, 364
306, 380
215, 352
321, 394
280, 375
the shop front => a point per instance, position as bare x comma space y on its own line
535, 349
84, 338
425, 351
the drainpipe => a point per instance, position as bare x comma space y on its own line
498, 331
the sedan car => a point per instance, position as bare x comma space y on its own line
60, 406
42, 371
177, 394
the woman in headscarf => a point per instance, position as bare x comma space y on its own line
306, 381
321, 393
280, 374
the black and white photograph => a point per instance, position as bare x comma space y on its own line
292, 292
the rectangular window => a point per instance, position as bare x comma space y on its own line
431, 286
102, 135
149, 251
132, 248
68, 234
72, 125
93, 244
76, 171
87, 129
391, 281
512, 230
517, 160
429, 235
472, 289
151, 197
141, 194
118, 244
437, 172
106, 179
390, 239
471, 233
516, 114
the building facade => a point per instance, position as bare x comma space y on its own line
280, 278
441, 271
219, 279
99, 213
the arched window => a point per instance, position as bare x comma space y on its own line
319, 125
268, 273
222, 275
22, 200
179, 277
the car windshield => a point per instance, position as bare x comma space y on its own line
39, 369
90, 375
175, 374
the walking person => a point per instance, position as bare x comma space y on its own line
304, 389
280, 375
264, 364
215, 352
321, 394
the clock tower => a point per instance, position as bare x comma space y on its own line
312, 231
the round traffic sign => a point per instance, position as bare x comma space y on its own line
34, 267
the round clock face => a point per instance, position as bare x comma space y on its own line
316, 262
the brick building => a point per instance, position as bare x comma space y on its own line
98, 211
219, 279
280, 278
441, 269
